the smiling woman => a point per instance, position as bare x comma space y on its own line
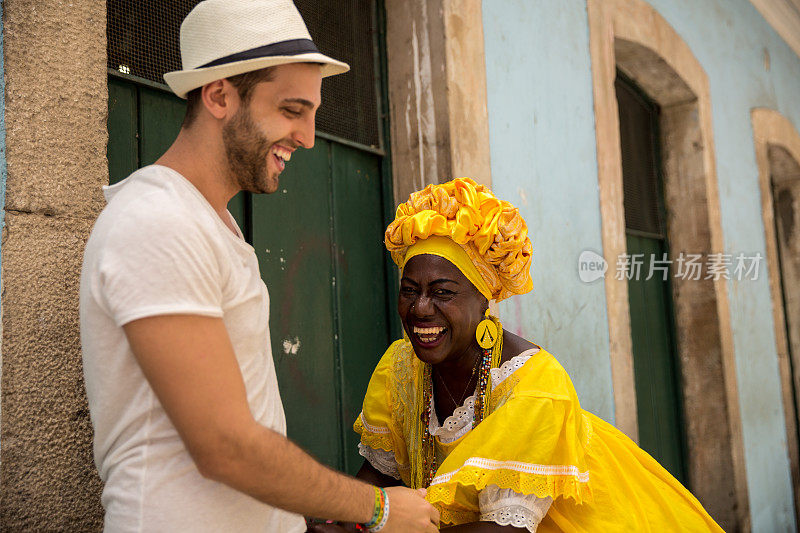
487, 421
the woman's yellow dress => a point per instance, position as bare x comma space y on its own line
537, 440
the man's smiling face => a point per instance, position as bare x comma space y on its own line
276, 119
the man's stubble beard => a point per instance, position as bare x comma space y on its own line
247, 149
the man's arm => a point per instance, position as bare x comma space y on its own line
190, 364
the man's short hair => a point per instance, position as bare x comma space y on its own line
244, 84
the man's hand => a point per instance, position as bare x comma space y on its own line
408, 511
408, 501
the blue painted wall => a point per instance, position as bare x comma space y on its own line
543, 154
542, 140
729, 38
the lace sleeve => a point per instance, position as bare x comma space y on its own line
383, 461
509, 508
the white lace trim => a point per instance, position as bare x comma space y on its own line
456, 425
373, 429
383, 461
508, 508
499, 374
459, 423
517, 466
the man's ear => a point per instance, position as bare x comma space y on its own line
218, 98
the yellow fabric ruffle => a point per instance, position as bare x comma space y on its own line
630, 492
534, 443
491, 231
536, 440
543, 456
380, 423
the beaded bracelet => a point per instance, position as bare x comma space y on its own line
384, 515
379, 508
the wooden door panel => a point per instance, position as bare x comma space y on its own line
361, 280
160, 117
293, 242
123, 129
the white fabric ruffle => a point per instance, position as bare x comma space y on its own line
383, 461
509, 508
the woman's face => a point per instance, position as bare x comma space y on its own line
439, 308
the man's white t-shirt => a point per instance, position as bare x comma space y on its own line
160, 248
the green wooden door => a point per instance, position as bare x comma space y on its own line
655, 362
655, 372
319, 244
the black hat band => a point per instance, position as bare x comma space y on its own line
291, 47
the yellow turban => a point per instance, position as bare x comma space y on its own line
491, 232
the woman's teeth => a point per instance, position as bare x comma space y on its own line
428, 334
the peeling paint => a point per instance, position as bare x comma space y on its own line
523, 196
291, 346
426, 120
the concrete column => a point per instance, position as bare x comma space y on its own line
437, 93
56, 105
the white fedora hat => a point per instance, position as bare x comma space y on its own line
223, 38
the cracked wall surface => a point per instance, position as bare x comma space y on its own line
56, 104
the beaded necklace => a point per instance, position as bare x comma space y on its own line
490, 358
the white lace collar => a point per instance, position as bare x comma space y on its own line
459, 423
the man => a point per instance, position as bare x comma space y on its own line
189, 426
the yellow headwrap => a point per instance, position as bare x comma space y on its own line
490, 231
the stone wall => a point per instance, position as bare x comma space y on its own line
56, 104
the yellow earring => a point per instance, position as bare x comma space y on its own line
486, 332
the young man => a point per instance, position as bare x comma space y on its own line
189, 426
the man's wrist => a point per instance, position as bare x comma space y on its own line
367, 508
380, 514
379, 511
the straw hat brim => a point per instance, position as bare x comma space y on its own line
183, 81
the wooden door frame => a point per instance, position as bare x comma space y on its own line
772, 128
633, 36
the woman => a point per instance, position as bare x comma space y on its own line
515, 449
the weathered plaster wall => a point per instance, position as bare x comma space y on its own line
56, 136
543, 157
437, 93
731, 40
466, 89
777, 144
